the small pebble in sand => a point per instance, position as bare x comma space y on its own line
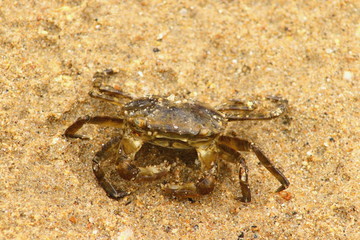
125, 234
348, 75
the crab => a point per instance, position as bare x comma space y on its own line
175, 124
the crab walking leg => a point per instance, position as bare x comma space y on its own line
107, 150
244, 113
243, 172
244, 145
208, 157
108, 90
244, 182
110, 96
237, 105
105, 121
109, 93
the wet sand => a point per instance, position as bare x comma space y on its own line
208, 51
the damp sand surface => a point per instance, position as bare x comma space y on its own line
208, 51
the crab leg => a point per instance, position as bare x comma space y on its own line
242, 111
109, 93
243, 172
70, 132
109, 148
244, 145
237, 105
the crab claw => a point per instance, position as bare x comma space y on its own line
187, 190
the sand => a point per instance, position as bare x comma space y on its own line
210, 51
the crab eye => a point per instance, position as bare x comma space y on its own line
204, 132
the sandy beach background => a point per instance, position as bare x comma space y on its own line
210, 51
